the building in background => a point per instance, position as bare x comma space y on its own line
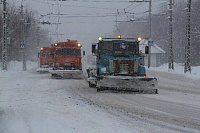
156, 53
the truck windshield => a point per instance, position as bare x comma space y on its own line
126, 47
68, 52
45, 54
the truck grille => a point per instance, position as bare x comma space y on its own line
124, 67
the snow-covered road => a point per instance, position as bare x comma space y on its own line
35, 103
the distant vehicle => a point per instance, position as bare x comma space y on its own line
67, 60
45, 59
119, 66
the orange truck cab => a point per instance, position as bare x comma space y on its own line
67, 55
46, 60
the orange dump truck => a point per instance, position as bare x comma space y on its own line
45, 59
67, 60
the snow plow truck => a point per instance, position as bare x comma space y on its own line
45, 60
119, 66
67, 58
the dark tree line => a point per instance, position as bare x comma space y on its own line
160, 30
35, 37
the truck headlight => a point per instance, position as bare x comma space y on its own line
139, 39
79, 45
100, 38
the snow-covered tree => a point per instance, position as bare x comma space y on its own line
35, 37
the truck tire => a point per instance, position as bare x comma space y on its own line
99, 89
90, 85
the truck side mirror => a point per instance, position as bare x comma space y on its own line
83, 52
93, 49
38, 55
146, 49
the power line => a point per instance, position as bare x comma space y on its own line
78, 16
49, 6
58, 20
139, 4
94, 1
78, 22
92, 7
78, 6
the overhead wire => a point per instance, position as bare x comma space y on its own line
92, 7
51, 10
142, 12
154, 7
58, 8
94, 1
119, 15
78, 15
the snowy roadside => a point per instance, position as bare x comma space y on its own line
34, 103
179, 70
15, 66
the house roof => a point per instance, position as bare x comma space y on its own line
154, 49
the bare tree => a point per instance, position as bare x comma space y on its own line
32, 33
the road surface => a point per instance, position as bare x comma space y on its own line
28, 98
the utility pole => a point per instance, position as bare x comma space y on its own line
4, 47
149, 26
38, 45
149, 29
188, 44
22, 45
150, 19
171, 56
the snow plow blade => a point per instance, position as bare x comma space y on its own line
43, 70
67, 74
127, 83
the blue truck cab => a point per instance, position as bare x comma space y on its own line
116, 56
120, 66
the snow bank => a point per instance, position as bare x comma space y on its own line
17, 66
179, 69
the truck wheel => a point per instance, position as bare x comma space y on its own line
99, 89
53, 76
90, 85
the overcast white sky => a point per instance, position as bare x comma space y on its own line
85, 20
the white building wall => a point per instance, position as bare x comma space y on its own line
153, 60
